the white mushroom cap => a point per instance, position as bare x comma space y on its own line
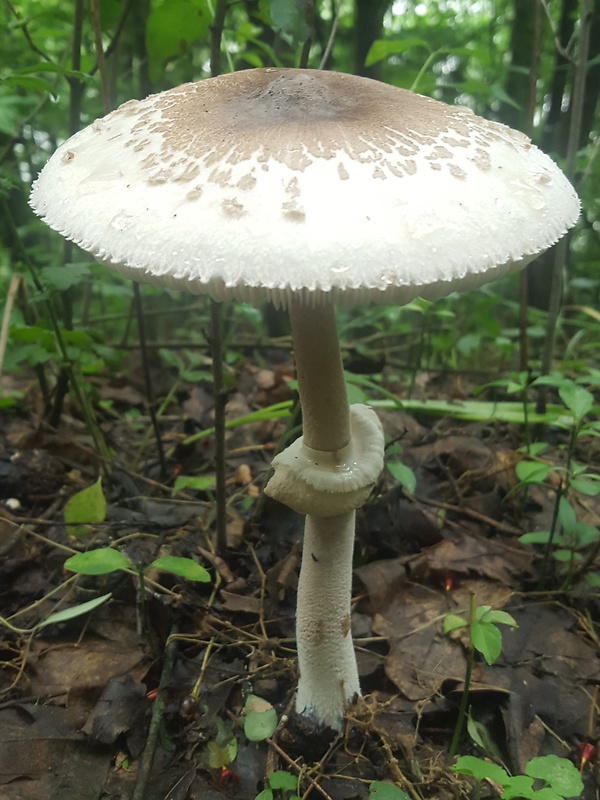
327, 187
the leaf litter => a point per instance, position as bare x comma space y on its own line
79, 698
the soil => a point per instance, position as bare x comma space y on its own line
146, 700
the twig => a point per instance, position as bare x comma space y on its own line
23, 26
95, 15
216, 35
560, 253
219, 427
13, 288
137, 296
290, 762
467, 512
158, 711
332, 34
115, 37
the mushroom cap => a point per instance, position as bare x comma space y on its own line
321, 186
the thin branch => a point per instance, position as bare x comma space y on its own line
23, 27
137, 295
332, 35
561, 250
97, 28
216, 37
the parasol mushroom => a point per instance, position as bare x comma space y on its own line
310, 189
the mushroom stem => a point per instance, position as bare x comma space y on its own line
326, 475
323, 396
328, 673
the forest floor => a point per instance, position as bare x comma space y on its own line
79, 699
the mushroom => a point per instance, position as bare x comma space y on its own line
310, 189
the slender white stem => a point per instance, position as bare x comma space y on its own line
328, 674
327, 664
323, 396
326, 475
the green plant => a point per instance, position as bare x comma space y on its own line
105, 560
546, 778
567, 535
484, 637
260, 719
381, 790
280, 784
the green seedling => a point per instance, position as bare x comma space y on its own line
484, 637
197, 483
546, 778
60, 616
280, 785
567, 535
381, 790
105, 560
401, 473
85, 508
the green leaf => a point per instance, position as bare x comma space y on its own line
171, 28
266, 794
560, 773
403, 474
63, 278
531, 472
519, 786
29, 82
198, 483
566, 555
499, 618
87, 506
380, 790
289, 17
221, 752
382, 48
474, 731
260, 721
182, 567
487, 640
577, 399
47, 66
585, 534
539, 537
452, 622
74, 611
98, 562
480, 770
588, 487
280, 779
566, 515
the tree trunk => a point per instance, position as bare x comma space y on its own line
368, 25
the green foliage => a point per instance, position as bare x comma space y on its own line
289, 18
105, 560
568, 535
380, 790
171, 28
557, 778
86, 507
102, 561
222, 750
260, 719
279, 784
73, 611
197, 483
484, 634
